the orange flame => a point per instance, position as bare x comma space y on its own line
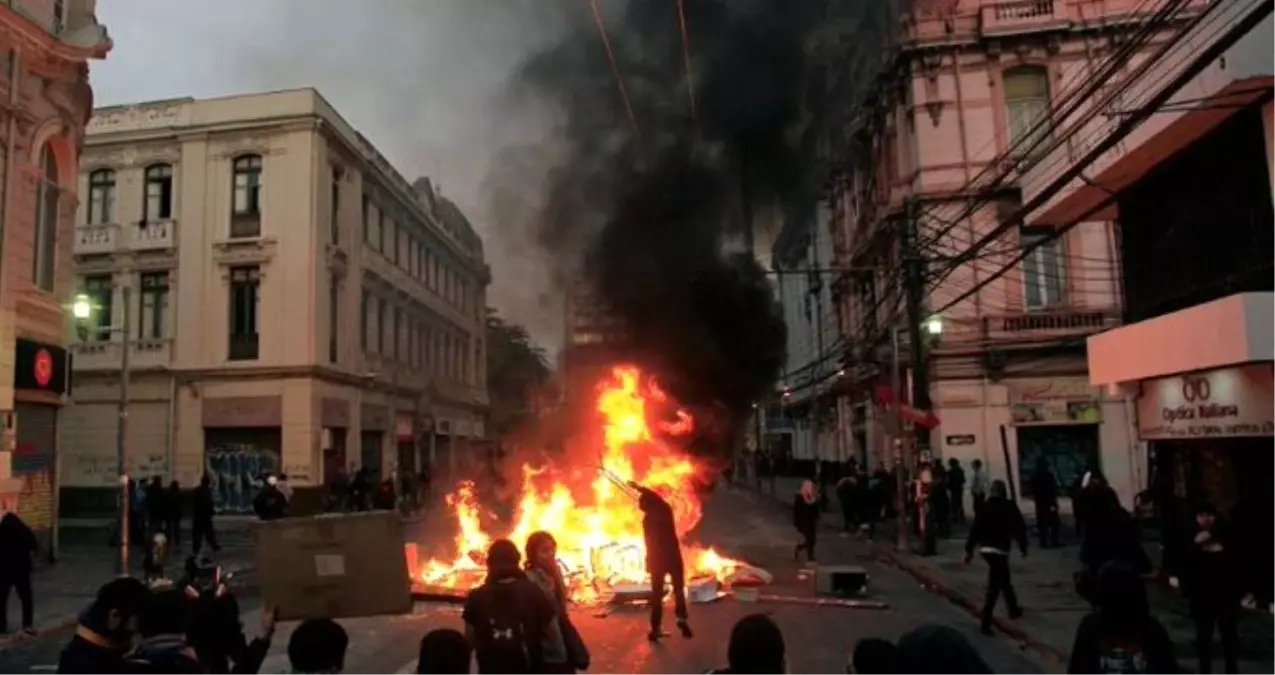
599, 537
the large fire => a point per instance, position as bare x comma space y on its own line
598, 526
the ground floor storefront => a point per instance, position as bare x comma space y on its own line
236, 430
1206, 411
40, 379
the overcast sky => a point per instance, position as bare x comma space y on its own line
421, 78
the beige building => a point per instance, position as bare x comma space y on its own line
292, 303
46, 46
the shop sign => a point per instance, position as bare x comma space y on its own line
960, 439
1064, 400
39, 366
1220, 403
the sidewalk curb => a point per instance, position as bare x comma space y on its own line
932, 584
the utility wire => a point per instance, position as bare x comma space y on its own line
615, 68
1258, 11
686, 59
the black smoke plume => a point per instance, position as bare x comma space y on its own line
656, 211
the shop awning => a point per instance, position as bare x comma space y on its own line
1236, 329
1203, 116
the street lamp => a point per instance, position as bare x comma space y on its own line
934, 325
82, 308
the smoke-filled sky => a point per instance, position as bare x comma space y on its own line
423, 79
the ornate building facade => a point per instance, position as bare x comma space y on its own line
44, 85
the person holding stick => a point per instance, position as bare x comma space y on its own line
663, 557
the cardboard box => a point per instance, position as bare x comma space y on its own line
333, 566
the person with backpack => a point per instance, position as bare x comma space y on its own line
663, 559
507, 617
1120, 635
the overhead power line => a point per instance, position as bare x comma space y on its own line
686, 58
615, 67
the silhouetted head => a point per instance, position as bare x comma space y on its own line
444, 650
502, 559
756, 646
318, 646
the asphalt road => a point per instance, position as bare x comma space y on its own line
819, 639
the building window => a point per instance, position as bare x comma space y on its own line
100, 289
247, 198
1026, 105
46, 222
367, 219
393, 235
59, 16
382, 328
364, 324
334, 315
1043, 282
334, 206
101, 197
380, 230
154, 305
396, 322
159, 193
245, 287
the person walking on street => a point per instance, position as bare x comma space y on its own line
17, 551
956, 490
1045, 496
847, 488
998, 525
978, 484
1213, 591
201, 516
173, 514
805, 517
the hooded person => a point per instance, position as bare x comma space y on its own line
506, 616
934, 648
663, 559
105, 630
162, 624
1120, 635
216, 632
756, 646
270, 503
805, 517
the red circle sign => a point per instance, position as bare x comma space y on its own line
43, 370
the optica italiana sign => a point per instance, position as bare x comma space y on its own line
1220, 403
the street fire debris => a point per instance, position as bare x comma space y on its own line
596, 522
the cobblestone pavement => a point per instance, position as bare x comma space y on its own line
737, 523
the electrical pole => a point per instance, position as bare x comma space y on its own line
900, 485
121, 432
914, 297
817, 405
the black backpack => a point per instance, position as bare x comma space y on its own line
502, 644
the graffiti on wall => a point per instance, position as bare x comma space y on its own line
236, 470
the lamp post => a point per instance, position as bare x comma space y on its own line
82, 309
934, 328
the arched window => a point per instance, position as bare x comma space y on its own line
101, 197
246, 208
1026, 104
46, 221
158, 204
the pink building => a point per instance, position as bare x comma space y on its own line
1007, 377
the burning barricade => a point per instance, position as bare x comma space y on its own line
592, 515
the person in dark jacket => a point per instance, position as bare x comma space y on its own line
216, 632
805, 517
105, 630
1213, 589
1045, 495
663, 559
18, 547
201, 516
270, 504
998, 525
956, 489
319, 645
1120, 635
162, 625
847, 489
156, 505
1110, 535
173, 515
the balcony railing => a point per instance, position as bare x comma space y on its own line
105, 355
1050, 323
1020, 15
150, 235
243, 347
95, 239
